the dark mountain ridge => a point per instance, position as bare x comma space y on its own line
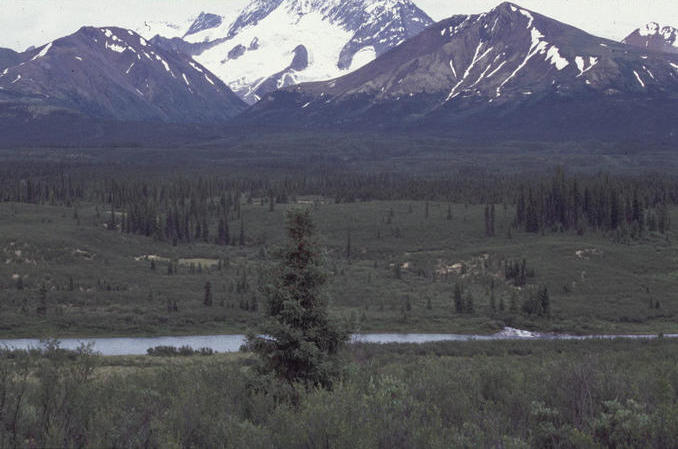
115, 74
510, 71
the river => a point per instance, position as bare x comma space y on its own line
232, 343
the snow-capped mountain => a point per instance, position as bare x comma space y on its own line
114, 74
509, 68
655, 37
276, 43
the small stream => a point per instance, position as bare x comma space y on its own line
232, 343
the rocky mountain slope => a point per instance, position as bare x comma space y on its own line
112, 74
506, 71
8, 58
276, 43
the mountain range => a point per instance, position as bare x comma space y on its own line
510, 70
277, 43
348, 65
114, 74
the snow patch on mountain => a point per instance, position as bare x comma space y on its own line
363, 57
649, 29
43, 52
553, 56
116, 48
538, 46
477, 57
582, 64
254, 51
278, 35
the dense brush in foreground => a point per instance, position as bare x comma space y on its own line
597, 394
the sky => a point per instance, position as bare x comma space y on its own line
25, 23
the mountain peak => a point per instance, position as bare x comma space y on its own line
503, 6
263, 48
649, 29
508, 7
655, 37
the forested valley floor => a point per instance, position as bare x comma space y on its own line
417, 236
152, 246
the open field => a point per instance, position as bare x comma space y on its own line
100, 283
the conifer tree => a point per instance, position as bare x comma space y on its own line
545, 301
205, 230
208, 294
397, 271
301, 342
41, 308
487, 221
223, 237
458, 298
513, 305
348, 243
469, 306
111, 223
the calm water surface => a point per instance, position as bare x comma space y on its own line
232, 343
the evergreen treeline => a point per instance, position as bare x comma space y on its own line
603, 203
177, 208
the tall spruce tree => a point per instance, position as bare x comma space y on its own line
348, 243
41, 308
458, 299
545, 301
208, 294
301, 343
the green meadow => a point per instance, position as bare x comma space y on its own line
392, 266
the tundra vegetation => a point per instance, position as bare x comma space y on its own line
95, 250
512, 394
90, 248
